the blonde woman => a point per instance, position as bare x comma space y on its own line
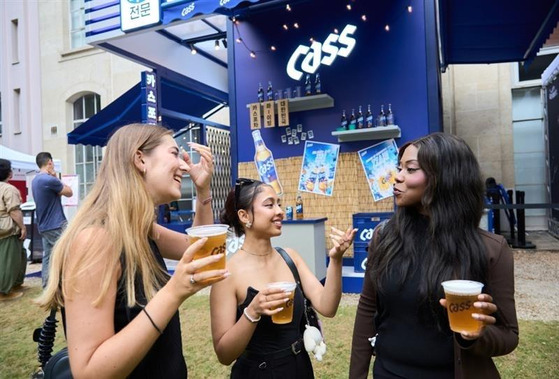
107, 270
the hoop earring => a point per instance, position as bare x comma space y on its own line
248, 225
145, 171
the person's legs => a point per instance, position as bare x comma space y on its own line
9, 266
23, 267
49, 239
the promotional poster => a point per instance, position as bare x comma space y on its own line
318, 170
379, 163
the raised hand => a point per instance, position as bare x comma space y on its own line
341, 241
201, 172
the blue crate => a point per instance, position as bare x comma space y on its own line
365, 224
359, 256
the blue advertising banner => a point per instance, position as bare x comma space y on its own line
379, 163
318, 170
184, 10
149, 97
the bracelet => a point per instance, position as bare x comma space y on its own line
206, 201
151, 320
253, 320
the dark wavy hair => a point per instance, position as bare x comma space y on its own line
247, 194
444, 244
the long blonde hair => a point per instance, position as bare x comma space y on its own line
120, 205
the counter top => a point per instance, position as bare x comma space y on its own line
305, 221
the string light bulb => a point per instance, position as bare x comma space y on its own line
193, 50
364, 17
285, 27
239, 40
252, 54
216, 46
311, 39
273, 48
336, 31
296, 25
348, 7
387, 27
288, 7
410, 9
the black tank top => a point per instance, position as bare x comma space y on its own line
269, 337
164, 359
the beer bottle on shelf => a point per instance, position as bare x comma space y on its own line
381, 118
343, 122
360, 118
352, 121
369, 117
308, 85
265, 164
269, 92
317, 84
260, 93
390, 116
299, 207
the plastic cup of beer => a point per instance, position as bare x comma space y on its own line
286, 314
460, 297
216, 235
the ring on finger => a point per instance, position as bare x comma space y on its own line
192, 280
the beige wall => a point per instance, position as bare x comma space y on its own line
477, 106
67, 74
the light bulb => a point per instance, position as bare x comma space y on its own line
252, 54
387, 27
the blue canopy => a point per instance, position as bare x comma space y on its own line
128, 109
481, 31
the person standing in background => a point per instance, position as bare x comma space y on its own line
51, 221
12, 234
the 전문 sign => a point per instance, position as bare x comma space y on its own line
136, 14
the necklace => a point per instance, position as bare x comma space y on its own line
258, 255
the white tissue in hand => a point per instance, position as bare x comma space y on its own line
314, 342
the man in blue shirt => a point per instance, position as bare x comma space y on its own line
51, 221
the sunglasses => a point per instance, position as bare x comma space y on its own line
239, 184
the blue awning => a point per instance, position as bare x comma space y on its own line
127, 109
481, 31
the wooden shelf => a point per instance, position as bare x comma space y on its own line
376, 133
307, 103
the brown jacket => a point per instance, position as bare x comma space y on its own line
472, 359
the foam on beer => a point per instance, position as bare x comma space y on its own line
207, 230
462, 287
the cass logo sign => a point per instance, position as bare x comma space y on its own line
310, 58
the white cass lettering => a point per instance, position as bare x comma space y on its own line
313, 59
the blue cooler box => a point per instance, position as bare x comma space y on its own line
365, 224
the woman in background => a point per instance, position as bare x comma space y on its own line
241, 305
13, 259
432, 237
107, 270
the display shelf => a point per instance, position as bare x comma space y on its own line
376, 133
307, 103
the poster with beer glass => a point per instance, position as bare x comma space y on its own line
379, 163
318, 170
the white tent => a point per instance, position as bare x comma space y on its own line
24, 163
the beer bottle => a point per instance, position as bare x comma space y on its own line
352, 121
369, 117
381, 118
390, 116
269, 92
299, 207
360, 118
260, 93
317, 84
265, 164
308, 85
343, 122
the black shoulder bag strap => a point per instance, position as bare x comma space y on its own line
310, 314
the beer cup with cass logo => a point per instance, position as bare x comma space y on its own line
286, 314
460, 297
216, 235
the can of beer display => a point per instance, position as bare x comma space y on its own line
289, 213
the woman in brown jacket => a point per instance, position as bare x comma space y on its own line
432, 237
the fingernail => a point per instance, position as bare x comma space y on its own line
280, 308
226, 274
